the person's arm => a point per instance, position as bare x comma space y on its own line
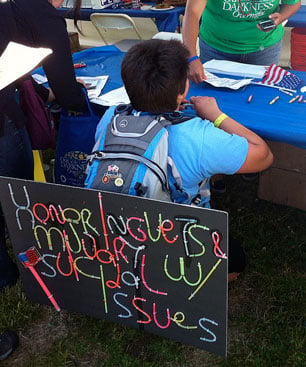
49, 30
193, 13
286, 11
259, 156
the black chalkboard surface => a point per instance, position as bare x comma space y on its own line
157, 266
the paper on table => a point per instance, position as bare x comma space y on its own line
235, 68
112, 98
225, 82
17, 60
96, 84
40, 79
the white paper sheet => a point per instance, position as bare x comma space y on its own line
17, 60
96, 84
112, 98
225, 82
235, 68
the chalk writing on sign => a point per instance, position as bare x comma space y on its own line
157, 266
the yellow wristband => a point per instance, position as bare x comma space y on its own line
218, 121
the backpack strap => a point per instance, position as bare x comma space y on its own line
123, 109
167, 118
176, 117
203, 192
184, 196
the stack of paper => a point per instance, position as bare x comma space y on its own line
226, 82
112, 98
235, 68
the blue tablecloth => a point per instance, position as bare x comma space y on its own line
281, 121
166, 20
298, 19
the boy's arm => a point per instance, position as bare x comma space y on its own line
259, 156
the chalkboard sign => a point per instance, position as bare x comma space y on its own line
152, 265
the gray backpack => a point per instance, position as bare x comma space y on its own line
131, 157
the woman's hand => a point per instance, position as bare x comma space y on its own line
277, 18
51, 97
82, 82
196, 71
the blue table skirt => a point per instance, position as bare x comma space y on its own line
281, 121
166, 20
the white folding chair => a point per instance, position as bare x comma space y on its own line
176, 36
114, 28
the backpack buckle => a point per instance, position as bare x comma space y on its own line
140, 189
95, 155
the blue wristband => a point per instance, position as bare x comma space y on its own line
192, 58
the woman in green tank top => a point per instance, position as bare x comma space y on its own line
229, 30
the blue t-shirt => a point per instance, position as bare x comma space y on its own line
199, 150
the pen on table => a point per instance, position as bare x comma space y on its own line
250, 98
294, 99
274, 100
301, 99
286, 92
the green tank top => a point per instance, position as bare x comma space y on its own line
230, 25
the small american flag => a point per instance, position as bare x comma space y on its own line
281, 78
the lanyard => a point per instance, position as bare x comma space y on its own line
242, 12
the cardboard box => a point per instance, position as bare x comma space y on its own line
285, 181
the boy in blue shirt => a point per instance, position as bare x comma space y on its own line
154, 73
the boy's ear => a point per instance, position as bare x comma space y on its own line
181, 97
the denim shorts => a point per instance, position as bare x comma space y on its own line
266, 56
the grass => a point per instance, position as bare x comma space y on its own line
266, 306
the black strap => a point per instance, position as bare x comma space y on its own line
175, 117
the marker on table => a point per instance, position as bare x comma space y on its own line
250, 98
294, 99
274, 100
286, 92
301, 99
79, 65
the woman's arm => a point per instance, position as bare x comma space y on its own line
49, 30
286, 11
193, 13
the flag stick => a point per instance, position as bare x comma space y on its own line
274, 86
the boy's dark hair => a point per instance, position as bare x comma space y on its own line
154, 73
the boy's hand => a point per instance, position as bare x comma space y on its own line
206, 107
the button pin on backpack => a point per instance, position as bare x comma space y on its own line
119, 182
